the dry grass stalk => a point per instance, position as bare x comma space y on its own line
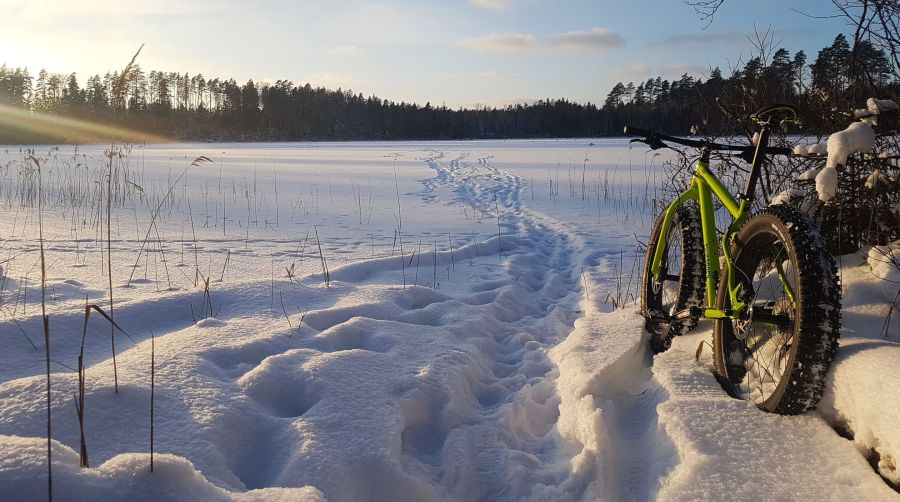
46, 324
399, 223
82, 372
326, 276
283, 310
152, 392
452, 261
110, 155
499, 245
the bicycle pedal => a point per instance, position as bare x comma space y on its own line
687, 313
682, 315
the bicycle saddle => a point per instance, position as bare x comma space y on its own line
775, 114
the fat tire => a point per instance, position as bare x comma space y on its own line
691, 286
817, 320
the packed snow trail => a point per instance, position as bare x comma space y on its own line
607, 417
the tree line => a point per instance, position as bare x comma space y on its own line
185, 107
840, 79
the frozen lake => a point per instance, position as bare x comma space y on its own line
265, 202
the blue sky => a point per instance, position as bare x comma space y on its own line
457, 52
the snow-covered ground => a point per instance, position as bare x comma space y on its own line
466, 347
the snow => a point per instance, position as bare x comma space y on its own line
809, 174
864, 371
876, 179
874, 107
127, 476
485, 362
884, 262
786, 196
827, 183
878, 106
858, 137
818, 149
729, 447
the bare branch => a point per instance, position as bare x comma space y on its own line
706, 9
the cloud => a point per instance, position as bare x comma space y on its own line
344, 50
497, 5
591, 40
42, 9
500, 42
684, 39
595, 39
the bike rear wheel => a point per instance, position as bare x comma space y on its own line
776, 354
682, 277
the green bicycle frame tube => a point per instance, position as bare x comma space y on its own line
703, 186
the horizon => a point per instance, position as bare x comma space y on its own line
515, 51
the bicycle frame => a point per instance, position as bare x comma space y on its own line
705, 185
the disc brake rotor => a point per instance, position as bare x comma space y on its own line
741, 325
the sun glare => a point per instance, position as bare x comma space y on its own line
70, 130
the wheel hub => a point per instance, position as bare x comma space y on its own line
741, 325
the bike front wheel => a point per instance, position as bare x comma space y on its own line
777, 352
681, 280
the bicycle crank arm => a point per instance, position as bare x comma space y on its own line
681, 315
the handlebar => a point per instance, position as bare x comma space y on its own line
657, 140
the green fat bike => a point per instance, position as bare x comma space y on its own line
773, 297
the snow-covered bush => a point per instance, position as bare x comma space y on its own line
855, 190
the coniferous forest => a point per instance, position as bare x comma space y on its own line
188, 107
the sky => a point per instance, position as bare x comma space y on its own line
453, 52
